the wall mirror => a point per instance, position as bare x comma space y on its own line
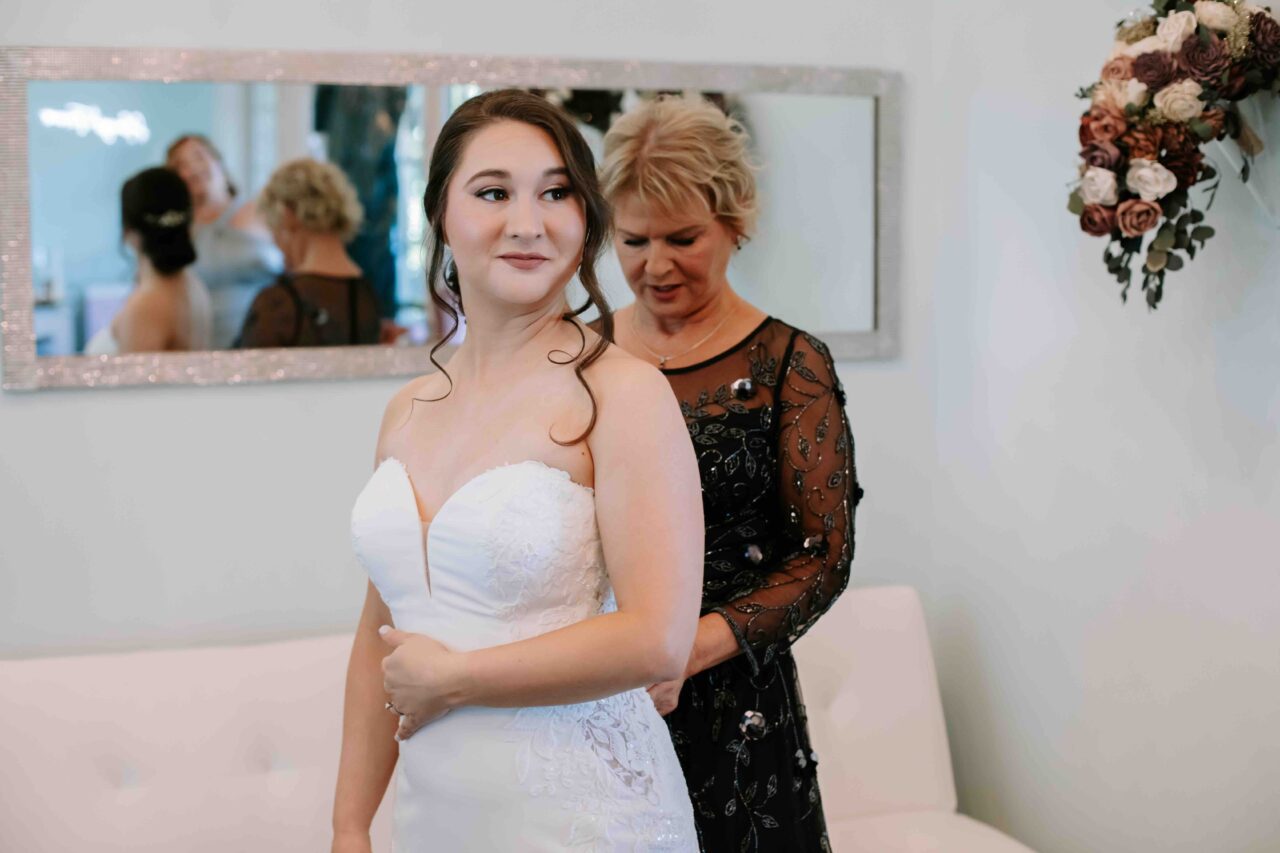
78, 122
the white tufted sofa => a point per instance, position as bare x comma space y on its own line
876, 721
236, 748
182, 751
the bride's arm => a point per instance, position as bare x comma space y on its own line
369, 751
649, 511
368, 746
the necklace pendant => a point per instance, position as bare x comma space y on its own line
662, 362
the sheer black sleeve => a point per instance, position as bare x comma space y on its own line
818, 495
272, 320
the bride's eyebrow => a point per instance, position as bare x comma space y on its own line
504, 175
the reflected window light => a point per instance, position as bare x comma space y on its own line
129, 126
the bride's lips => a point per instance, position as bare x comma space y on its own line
522, 261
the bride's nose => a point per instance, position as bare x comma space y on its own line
524, 219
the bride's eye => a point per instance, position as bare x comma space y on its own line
493, 194
558, 193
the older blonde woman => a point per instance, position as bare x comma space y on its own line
322, 299
764, 409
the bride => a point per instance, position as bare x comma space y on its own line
533, 529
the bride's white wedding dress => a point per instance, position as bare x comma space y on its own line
513, 553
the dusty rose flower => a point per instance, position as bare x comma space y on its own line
1105, 124
1118, 68
1216, 16
1142, 142
1136, 217
1176, 29
1098, 220
1099, 186
1180, 101
1157, 69
1150, 180
1103, 155
1205, 61
1264, 35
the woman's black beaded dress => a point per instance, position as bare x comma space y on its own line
779, 490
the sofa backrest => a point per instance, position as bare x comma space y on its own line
875, 714
213, 749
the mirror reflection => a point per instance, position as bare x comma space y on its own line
302, 208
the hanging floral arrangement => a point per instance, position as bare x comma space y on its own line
1170, 86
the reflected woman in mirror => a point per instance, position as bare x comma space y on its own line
504, 485
322, 299
169, 309
237, 256
765, 411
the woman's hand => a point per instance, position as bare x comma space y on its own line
421, 677
351, 842
666, 695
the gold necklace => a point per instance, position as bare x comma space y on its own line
663, 359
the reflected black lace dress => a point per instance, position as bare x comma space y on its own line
312, 310
779, 490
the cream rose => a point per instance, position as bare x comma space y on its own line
1099, 186
1117, 94
1215, 15
1180, 101
1149, 180
1150, 44
1176, 28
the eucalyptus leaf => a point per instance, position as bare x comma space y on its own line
1174, 263
1156, 260
1197, 216
1075, 203
1202, 233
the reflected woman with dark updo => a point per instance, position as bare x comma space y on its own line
169, 309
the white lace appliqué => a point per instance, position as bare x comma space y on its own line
597, 760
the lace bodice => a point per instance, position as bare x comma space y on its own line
513, 553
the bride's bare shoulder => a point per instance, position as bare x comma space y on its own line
420, 389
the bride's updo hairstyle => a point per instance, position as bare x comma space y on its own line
527, 108
156, 205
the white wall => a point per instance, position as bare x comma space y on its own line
1086, 494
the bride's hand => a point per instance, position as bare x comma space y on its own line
666, 695
419, 676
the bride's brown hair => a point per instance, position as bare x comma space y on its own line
527, 108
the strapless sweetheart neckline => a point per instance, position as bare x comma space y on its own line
427, 526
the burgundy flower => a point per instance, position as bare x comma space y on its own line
1205, 61
1157, 69
1185, 164
1104, 155
1098, 220
1264, 34
1136, 217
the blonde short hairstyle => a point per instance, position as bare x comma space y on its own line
318, 194
674, 150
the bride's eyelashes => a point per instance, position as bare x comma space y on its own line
556, 193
